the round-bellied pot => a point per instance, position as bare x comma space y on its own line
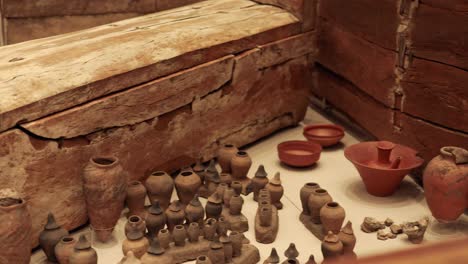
235, 206
155, 219
225, 154
324, 134
179, 235
135, 222
194, 212
259, 181
317, 200
105, 188
331, 246
160, 186
174, 215
193, 232
187, 184
136, 194
348, 238
164, 238
240, 165
83, 253
16, 228
209, 230
305, 192
214, 206
64, 249
299, 153
332, 216
135, 242
276, 191
50, 237
446, 184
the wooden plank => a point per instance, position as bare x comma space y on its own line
305, 10
2, 25
168, 4
74, 68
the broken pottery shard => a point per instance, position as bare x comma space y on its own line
415, 230
381, 235
388, 222
371, 224
391, 235
396, 229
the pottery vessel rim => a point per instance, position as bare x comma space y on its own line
67, 240
309, 129
21, 203
229, 145
292, 159
104, 161
158, 173
242, 153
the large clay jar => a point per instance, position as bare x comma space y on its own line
240, 165
317, 200
225, 154
155, 219
15, 228
332, 216
179, 235
446, 184
156, 254
135, 222
331, 246
105, 188
174, 215
164, 238
236, 240
160, 186
214, 206
193, 232
50, 236
348, 238
305, 192
194, 212
64, 249
276, 191
259, 181
235, 206
83, 252
135, 242
187, 184
136, 194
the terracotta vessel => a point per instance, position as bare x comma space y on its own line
227, 246
240, 165
225, 178
222, 227
332, 216
273, 258
64, 249
136, 194
220, 190
83, 253
264, 195
160, 186
50, 237
237, 186
194, 212
179, 235
276, 191
15, 230
331, 246
193, 232
105, 188
164, 238
265, 215
155, 219
446, 184
291, 252
187, 184
305, 192
236, 240
135, 242
174, 215
348, 238
129, 259
228, 193
212, 179
214, 206
210, 228
216, 253
311, 260
259, 181
317, 200
324, 134
199, 169
382, 165
225, 155
235, 206
203, 259
298, 153
156, 254
135, 222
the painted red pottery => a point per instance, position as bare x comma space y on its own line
446, 184
324, 134
298, 153
382, 164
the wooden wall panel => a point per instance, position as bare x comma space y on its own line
455, 5
305, 10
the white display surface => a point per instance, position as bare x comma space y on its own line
334, 173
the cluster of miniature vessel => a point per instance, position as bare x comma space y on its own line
413, 230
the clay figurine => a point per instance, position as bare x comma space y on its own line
291, 252
135, 200
225, 155
83, 252
276, 191
51, 236
160, 186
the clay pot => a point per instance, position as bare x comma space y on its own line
135, 222
382, 165
156, 254
235, 206
240, 165
203, 259
155, 219
228, 193
179, 235
129, 259
225, 155
212, 179
210, 228
83, 253
236, 240
305, 192
194, 212
64, 249
291, 252
227, 246
214, 206
222, 227
135, 242
15, 228
348, 238
221, 189
50, 237
105, 188
216, 253
193, 232
164, 238
159, 186
136, 194
259, 181
311, 260
446, 184
324, 134
264, 196
265, 216
225, 178
237, 186
276, 191
332, 216
331, 246
273, 258
199, 169
317, 200
174, 215
187, 184
299, 153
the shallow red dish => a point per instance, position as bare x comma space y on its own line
324, 134
299, 153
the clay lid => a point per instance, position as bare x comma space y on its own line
273, 258
195, 201
276, 179
261, 173
155, 208
199, 167
291, 252
82, 243
155, 248
51, 223
224, 239
215, 244
214, 198
331, 238
175, 206
348, 228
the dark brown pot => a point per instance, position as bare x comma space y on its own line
348, 238
105, 188
276, 191
174, 215
160, 186
64, 249
235, 206
331, 246
136, 194
50, 237
179, 235
194, 212
193, 232
135, 222
135, 242
164, 238
240, 165
305, 192
214, 206
187, 184
317, 200
332, 216
15, 230
225, 155
155, 219
83, 253
228, 193
259, 181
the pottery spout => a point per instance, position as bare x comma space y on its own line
396, 163
384, 149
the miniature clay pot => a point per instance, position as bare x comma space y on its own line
135, 222
240, 165
446, 184
276, 191
225, 155
214, 206
225, 178
348, 238
199, 169
193, 232
332, 216
105, 188
155, 219
222, 227
15, 230
156, 254
228, 193
221, 189
324, 134
317, 200
160, 186
129, 259
135, 242
237, 186
164, 238
237, 241
50, 237
311, 260
259, 181
136, 194
235, 206
265, 215
298, 153
83, 253
305, 192
216, 252
194, 212
291, 252
174, 215
179, 235
210, 228
382, 165
64, 249
331, 246
187, 184
273, 258
227, 246
203, 259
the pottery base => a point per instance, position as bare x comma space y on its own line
237, 223
267, 234
315, 229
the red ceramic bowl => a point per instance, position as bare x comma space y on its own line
299, 153
324, 134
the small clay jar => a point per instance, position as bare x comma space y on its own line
179, 235
276, 191
225, 178
331, 246
221, 189
210, 228
264, 196
83, 253
259, 181
265, 215
155, 219
50, 237
237, 186
332, 216
222, 227
216, 253
228, 193
160, 186
199, 169
135, 222
174, 215
240, 165
203, 259
225, 155
193, 232
291, 252
64, 249
237, 239
348, 238
305, 192
317, 200
227, 245
235, 206
156, 254
164, 238
187, 184
135, 200
135, 242
194, 212
129, 258
311, 260
214, 206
